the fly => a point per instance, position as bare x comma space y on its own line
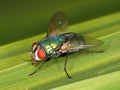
57, 43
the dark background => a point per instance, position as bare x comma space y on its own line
20, 19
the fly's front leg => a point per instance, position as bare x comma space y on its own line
39, 66
65, 69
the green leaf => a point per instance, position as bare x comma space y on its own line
14, 71
103, 82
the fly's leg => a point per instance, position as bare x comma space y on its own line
37, 69
39, 66
65, 64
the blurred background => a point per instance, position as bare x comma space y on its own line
20, 19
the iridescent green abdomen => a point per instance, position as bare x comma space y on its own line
51, 44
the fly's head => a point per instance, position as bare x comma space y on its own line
38, 53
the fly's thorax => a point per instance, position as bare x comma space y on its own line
51, 44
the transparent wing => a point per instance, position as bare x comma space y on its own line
79, 42
91, 42
58, 24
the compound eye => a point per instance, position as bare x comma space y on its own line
34, 45
41, 54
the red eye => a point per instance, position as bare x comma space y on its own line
41, 53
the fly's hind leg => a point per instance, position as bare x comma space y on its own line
65, 69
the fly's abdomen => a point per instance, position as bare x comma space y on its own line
51, 44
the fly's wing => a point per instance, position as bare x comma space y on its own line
58, 24
91, 42
79, 42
